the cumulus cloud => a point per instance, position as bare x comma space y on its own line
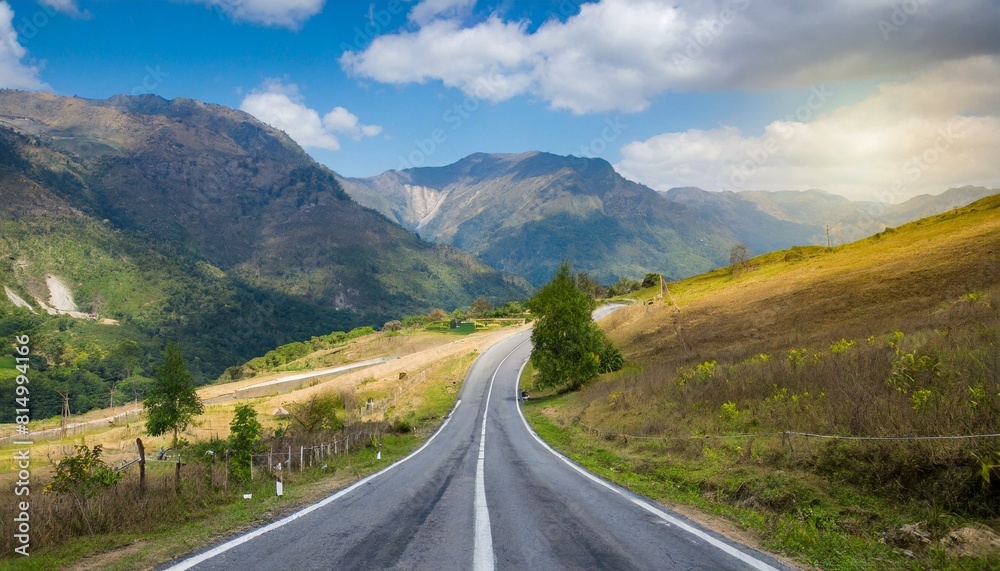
618, 54
14, 72
281, 106
278, 13
922, 135
341, 120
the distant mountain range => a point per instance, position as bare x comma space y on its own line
187, 221
197, 222
525, 213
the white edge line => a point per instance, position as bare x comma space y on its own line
189, 563
746, 558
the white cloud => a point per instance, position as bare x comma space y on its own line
923, 135
68, 7
479, 60
279, 13
281, 106
14, 72
618, 54
341, 120
429, 10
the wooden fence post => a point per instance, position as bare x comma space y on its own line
142, 465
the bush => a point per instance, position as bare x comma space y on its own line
611, 359
82, 476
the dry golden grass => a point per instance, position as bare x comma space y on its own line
895, 335
429, 360
877, 285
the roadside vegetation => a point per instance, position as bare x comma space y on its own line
89, 512
568, 349
800, 398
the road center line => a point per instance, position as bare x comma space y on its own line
482, 558
722, 546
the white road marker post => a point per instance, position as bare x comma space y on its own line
279, 487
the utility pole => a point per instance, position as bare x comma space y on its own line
829, 244
65, 410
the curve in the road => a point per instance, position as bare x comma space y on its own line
456, 503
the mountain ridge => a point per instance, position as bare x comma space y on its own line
523, 213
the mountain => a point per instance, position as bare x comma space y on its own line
848, 220
196, 222
524, 213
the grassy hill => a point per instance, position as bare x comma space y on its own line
895, 335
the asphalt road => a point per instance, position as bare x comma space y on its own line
466, 502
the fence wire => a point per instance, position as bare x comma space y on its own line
784, 433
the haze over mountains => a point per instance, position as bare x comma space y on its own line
525, 213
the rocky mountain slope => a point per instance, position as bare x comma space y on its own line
525, 213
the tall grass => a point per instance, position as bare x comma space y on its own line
942, 379
125, 511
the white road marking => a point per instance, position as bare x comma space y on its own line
725, 547
482, 558
191, 562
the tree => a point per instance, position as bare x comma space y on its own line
567, 343
623, 286
171, 402
244, 433
651, 280
318, 413
480, 307
589, 286
81, 476
738, 257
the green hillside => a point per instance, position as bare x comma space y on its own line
191, 223
893, 336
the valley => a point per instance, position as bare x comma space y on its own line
119, 240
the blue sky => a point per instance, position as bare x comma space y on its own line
871, 99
